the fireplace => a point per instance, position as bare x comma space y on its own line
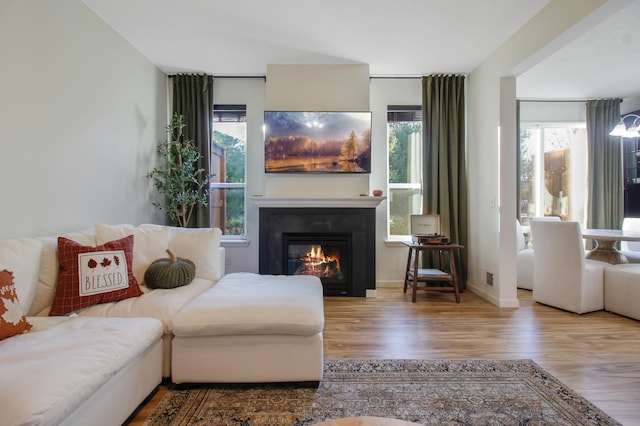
326, 256
335, 244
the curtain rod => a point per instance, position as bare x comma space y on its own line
563, 100
371, 77
264, 77
416, 77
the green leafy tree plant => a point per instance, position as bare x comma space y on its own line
179, 179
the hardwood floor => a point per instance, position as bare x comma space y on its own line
596, 354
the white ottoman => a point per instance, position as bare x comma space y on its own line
622, 289
251, 328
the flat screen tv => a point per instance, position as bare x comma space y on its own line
317, 142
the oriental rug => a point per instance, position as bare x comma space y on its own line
430, 392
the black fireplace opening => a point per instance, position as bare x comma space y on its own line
347, 232
326, 256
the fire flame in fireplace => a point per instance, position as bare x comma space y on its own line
315, 262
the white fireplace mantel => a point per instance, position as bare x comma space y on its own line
341, 202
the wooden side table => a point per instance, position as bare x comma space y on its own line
442, 275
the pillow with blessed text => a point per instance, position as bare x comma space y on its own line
91, 275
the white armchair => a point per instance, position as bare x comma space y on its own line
524, 255
524, 260
563, 278
631, 249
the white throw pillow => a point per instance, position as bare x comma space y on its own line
48, 277
200, 245
149, 243
22, 257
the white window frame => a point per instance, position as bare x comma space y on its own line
539, 128
235, 185
417, 158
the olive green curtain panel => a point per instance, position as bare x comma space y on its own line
444, 162
605, 204
193, 98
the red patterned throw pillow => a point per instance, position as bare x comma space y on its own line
91, 275
12, 319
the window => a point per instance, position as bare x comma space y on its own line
404, 132
228, 168
553, 171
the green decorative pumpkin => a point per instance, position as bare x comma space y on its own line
170, 273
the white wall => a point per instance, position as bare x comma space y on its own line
316, 88
553, 112
391, 257
491, 143
630, 105
81, 112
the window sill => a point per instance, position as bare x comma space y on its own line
396, 242
235, 242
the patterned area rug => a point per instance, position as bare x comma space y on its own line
440, 392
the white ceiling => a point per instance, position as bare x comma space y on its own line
604, 62
396, 38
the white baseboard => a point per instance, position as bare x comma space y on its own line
479, 290
372, 293
501, 303
389, 283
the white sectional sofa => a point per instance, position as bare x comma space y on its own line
79, 370
99, 362
202, 246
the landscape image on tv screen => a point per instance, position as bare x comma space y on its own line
317, 142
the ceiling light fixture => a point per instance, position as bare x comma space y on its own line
622, 130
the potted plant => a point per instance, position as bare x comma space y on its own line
179, 179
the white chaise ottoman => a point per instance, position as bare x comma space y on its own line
622, 289
251, 328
